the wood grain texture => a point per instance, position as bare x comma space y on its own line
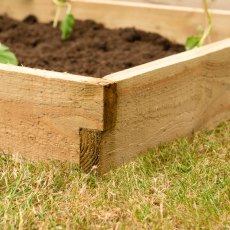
166, 99
176, 23
90, 141
109, 121
41, 112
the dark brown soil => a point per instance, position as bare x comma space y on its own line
93, 50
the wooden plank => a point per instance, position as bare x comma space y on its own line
49, 115
166, 99
220, 4
42, 112
176, 23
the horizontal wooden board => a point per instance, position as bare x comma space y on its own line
220, 4
166, 99
175, 23
41, 112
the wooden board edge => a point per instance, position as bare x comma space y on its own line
53, 75
195, 93
110, 106
168, 61
220, 4
151, 6
44, 113
90, 141
108, 87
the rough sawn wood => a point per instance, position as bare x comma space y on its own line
108, 122
42, 112
167, 99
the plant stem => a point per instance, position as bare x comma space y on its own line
69, 8
57, 15
59, 5
209, 28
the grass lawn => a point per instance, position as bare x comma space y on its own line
181, 185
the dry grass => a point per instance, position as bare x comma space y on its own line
182, 185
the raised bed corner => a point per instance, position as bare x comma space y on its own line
108, 122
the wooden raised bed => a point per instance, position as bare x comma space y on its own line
109, 121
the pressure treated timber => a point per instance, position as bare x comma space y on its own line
166, 99
42, 112
108, 122
176, 23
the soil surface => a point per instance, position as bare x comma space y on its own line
92, 50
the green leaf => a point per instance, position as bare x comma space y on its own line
192, 42
7, 57
67, 26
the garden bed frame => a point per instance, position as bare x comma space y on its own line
107, 122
